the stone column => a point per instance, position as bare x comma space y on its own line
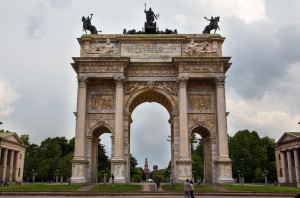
184, 161
5, 152
183, 125
118, 161
283, 169
79, 161
223, 161
289, 158
296, 158
11, 164
17, 166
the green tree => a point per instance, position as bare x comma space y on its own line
197, 166
250, 154
25, 139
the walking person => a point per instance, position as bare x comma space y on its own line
199, 182
112, 179
186, 186
172, 184
158, 180
192, 189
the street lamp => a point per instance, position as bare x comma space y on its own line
243, 174
239, 175
57, 171
33, 175
266, 176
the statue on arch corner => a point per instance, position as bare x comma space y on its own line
87, 25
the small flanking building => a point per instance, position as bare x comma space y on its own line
287, 151
12, 154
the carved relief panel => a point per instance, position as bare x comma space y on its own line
101, 119
199, 103
101, 97
202, 120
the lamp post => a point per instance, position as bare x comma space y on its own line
266, 176
105, 178
33, 175
57, 171
243, 173
239, 175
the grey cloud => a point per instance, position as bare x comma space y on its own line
35, 27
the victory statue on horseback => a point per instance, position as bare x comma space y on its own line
213, 25
87, 25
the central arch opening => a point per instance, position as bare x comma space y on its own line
149, 136
150, 133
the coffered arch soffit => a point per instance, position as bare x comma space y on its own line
151, 95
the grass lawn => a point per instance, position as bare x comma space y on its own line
41, 187
117, 188
259, 188
179, 188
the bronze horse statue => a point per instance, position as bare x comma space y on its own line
87, 25
213, 25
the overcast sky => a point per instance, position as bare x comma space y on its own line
38, 87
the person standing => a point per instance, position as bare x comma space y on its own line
186, 186
192, 189
112, 179
199, 182
158, 180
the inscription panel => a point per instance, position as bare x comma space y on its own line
150, 51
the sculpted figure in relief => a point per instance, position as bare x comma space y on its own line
194, 48
199, 102
107, 48
102, 102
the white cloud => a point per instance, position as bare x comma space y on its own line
256, 115
8, 96
180, 19
248, 11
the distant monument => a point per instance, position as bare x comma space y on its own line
146, 170
213, 25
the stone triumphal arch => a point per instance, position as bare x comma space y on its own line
184, 73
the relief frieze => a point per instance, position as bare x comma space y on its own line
170, 87
143, 72
201, 86
200, 68
101, 67
199, 102
101, 85
202, 119
101, 102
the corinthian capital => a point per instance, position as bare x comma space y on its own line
220, 80
82, 81
119, 80
182, 81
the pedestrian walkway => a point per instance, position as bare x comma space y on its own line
87, 187
219, 189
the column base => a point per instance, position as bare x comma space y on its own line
118, 169
79, 167
224, 171
184, 172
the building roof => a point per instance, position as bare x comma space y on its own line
288, 137
11, 137
5, 134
